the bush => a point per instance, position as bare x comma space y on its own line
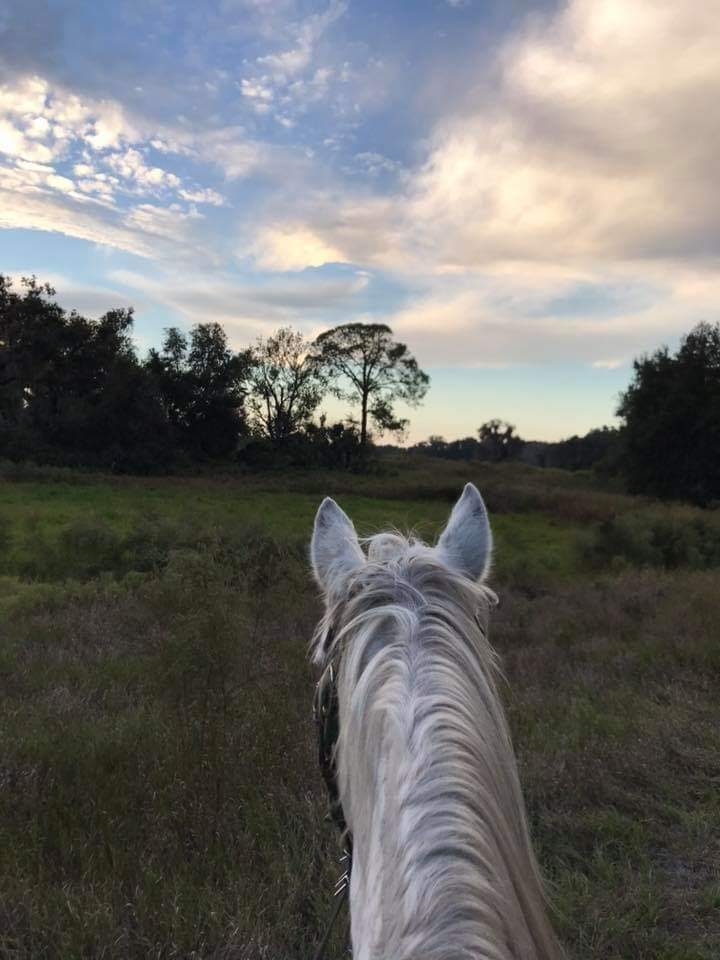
28, 470
333, 447
658, 537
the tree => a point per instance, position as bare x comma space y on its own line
671, 414
71, 389
499, 440
365, 365
467, 448
203, 385
285, 385
597, 449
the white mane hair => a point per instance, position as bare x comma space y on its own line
443, 868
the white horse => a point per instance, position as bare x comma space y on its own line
443, 868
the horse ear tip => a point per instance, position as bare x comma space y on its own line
327, 509
471, 492
472, 500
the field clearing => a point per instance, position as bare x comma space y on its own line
34, 507
40, 522
159, 795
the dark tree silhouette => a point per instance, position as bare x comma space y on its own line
598, 449
285, 385
71, 389
671, 414
499, 440
202, 384
366, 366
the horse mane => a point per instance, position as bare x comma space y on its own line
443, 866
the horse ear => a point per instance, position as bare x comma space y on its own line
466, 542
335, 551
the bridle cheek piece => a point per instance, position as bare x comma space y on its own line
326, 713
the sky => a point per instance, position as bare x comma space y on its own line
526, 192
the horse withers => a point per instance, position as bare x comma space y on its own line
424, 771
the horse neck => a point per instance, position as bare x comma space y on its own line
443, 866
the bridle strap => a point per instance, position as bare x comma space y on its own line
340, 897
327, 720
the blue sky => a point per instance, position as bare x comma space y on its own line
526, 192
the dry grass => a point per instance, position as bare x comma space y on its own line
159, 795
613, 701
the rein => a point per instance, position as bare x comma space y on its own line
327, 721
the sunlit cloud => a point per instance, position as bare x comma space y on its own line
600, 143
87, 164
292, 247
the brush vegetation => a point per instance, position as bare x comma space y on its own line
159, 791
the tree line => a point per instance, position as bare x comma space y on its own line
668, 442
497, 441
73, 391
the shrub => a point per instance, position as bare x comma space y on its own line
668, 537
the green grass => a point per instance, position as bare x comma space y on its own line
52, 532
159, 794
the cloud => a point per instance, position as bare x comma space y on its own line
168, 222
97, 185
40, 125
236, 154
522, 317
292, 247
60, 183
39, 179
304, 36
85, 162
247, 310
90, 300
259, 91
288, 63
598, 144
612, 364
131, 166
336, 226
375, 164
37, 121
16, 143
203, 195
591, 138
290, 80
58, 214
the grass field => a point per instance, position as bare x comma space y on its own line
159, 795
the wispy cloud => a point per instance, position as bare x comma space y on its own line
246, 309
288, 81
87, 168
